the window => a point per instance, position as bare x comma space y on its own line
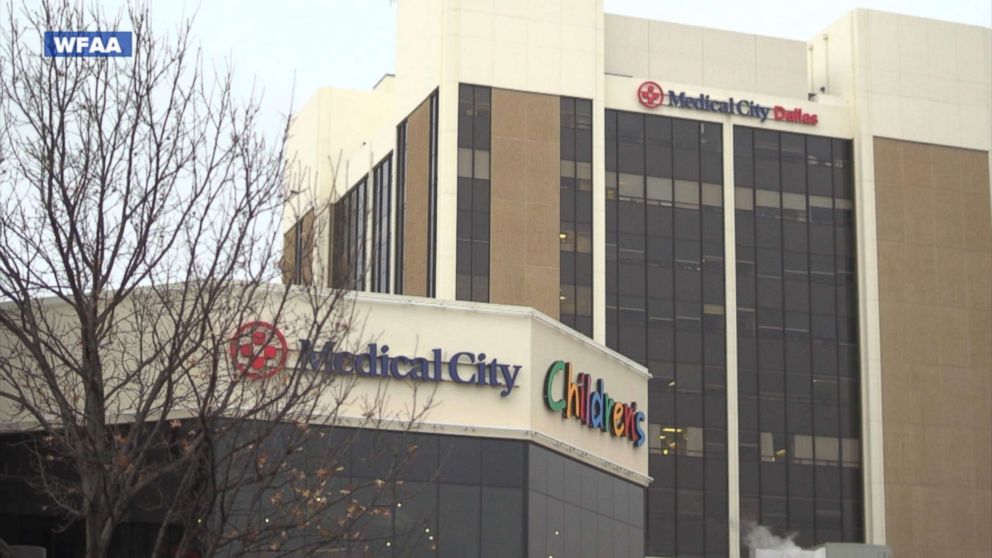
381, 225
572, 506
400, 204
789, 242
350, 223
473, 229
672, 440
298, 251
665, 309
575, 252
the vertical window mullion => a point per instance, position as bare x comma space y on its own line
432, 220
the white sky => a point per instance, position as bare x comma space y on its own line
351, 43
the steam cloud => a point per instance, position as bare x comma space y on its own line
761, 537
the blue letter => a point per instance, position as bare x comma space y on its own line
339, 360
638, 419
394, 368
307, 356
453, 367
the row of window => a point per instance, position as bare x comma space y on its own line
473, 227
575, 198
349, 238
298, 251
354, 210
798, 376
768, 447
665, 309
382, 203
349, 243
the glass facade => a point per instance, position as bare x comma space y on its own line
474, 138
349, 239
30, 519
798, 378
665, 309
576, 510
437, 495
457, 496
382, 201
575, 294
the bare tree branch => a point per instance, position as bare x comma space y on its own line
139, 205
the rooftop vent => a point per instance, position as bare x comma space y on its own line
829, 550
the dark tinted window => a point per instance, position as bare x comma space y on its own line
472, 238
575, 235
349, 238
382, 201
793, 412
665, 309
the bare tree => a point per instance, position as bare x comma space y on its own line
139, 209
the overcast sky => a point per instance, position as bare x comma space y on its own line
350, 43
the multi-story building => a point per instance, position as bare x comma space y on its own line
793, 237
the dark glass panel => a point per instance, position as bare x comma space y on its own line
502, 516
459, 517
805, 239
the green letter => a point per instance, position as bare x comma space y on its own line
555, 405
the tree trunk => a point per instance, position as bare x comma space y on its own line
95, 545
97, 517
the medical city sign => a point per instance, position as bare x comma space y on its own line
652, 96
259, 350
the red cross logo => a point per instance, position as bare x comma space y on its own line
258, 350
650, 94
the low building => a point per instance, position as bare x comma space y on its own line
527, 434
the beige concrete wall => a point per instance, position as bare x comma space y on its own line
545, 47
910, 78
420, 40
416, 203
916, 80
935, 305
525, 170
672, 52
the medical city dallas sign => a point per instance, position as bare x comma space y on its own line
652, 96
